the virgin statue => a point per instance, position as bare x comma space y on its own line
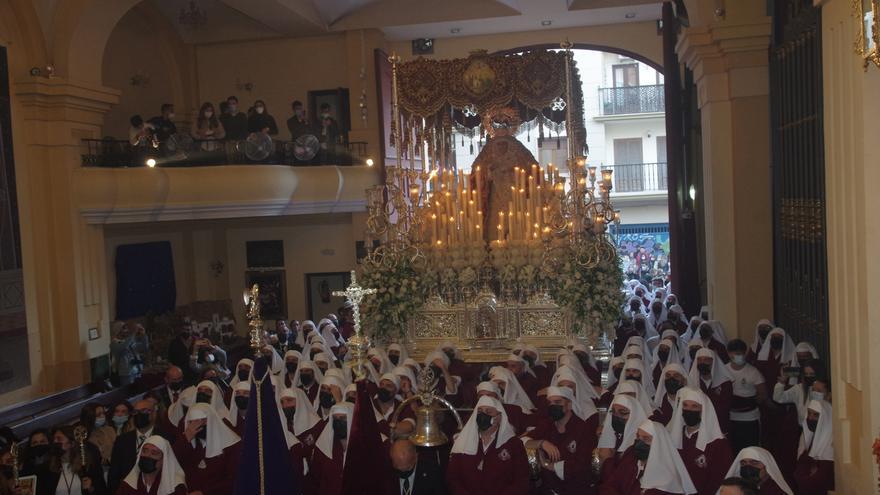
496, 165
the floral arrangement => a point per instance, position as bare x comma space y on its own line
401, 289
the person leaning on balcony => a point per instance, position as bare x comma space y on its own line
261, 121
234, 122
208, 128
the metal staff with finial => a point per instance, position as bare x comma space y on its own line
15, 452
81, 434
255, 319
355, 294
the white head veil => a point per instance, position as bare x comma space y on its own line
218, 436
819, 442
637, 415
637, 364
709, 430
176, 411
325, 439
171, 475
765, 458
757, 341
513, 391
661, 386
306, 363
664, 469
635, 388
305, 416
235, 379
233, 407
788, 347
720, 372
468, 440
584, 400
217, 401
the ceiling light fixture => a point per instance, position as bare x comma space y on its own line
546, 22
455, 30
630, 15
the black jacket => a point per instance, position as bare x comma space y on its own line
428, 480
47, 480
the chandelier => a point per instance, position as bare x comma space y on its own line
193, 17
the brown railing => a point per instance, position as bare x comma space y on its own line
632, 99
117, 153
639, 177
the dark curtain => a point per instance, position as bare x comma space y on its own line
144, 279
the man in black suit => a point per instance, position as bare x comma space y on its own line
414, 476
127, 445
173, 386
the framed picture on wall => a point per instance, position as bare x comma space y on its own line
273, 293
319, 292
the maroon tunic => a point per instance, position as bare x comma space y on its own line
664, 413
575, 446
311, 392
218, 474
721, 397
608, 396
530, 385
125, 489
626, 479
813, 477
606, 472
708, 468
543, 375
719, 349
770, 487
326, 474
497, 470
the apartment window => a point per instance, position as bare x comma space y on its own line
626, 75
629, 173
628, 151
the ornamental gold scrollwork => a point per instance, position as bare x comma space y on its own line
867, 43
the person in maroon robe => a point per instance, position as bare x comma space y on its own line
487, 457
524, 375
328, 457
238, 407
156, 471
674, 379
758, 467
208, 451
706, 332
291, 364
385, 403
448, 384
814, 472
588, 363
615, 370
518, 418
697, 434
776, 419
567, 439
665, 353
532, 355
650, 466
762, 330
714, 379
618, 433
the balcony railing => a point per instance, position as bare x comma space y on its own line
632, 99
639, 177
120, 154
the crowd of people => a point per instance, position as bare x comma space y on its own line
212, 127
688, 411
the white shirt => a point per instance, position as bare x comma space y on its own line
69, 482
745, 382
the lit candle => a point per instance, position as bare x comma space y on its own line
479, 190
433, 227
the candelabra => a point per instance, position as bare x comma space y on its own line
255, 319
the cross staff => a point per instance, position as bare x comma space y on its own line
355, 293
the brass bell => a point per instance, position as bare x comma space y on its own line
427, 432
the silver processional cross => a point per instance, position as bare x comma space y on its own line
355, 293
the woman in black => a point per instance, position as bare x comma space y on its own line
65, 472
259, 120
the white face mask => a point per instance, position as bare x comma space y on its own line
171, 116
738, 359
817, 395
260, 109
208, 115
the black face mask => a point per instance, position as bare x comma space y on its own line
809, 380
776, 344
641, 450
306, 379
203, 398
142, 421
175, 386
812, 424
555, 412
616, 372
634, 307
657, 309
704, 368
289, 412
39, 450
404, 474
384, 395
450, 355
693, 352
672, 386
802, 362
634, 378
618, 424
327, 400
692, 418
394, 358
291, 367
750, 473
484, 421
241, 402
763, 333
243, 375
147, 465
529, 359
57, 449
203, 433
437, 371
663, 354
340, 428
705, 333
